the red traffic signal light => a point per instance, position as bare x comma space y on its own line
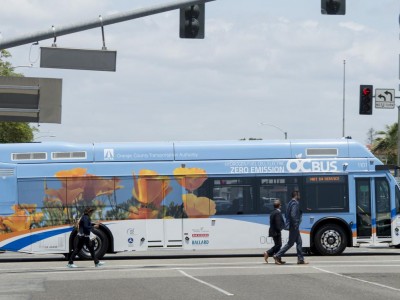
366, 91
366, 95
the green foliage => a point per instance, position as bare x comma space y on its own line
13, 132
6, 69
385, 145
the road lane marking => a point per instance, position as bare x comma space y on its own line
206, 283
357, 279
206, 266
259, 265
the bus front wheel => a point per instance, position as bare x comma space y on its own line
100, 244
330, 239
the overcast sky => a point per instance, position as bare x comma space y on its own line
275, 62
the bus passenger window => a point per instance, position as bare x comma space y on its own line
326, 193
233, 197
275, 188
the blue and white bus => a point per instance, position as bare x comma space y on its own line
194, 195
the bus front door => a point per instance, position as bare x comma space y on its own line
373, 210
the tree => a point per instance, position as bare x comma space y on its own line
385, 145
13, 132
371, 134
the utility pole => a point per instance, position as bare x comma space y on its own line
398, 135
344, 96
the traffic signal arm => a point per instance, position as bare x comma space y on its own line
106, 20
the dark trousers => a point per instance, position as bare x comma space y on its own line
277, 244
83, 241
294, 237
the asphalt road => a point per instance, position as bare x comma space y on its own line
357, 274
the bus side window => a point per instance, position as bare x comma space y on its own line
325, 193
275, 188
233, 196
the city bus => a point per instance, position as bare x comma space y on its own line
194, 195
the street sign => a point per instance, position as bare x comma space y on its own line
30, 99
384, 98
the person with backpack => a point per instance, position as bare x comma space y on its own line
293, 220
276, 224
85, 226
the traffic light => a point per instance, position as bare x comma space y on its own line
191, 22
366, 94
333, 7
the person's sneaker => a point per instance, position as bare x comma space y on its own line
302, 262
72, 266
99, 264
277, 260
266, 256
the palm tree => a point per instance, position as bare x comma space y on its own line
385, 145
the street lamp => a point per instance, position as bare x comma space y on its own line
280, 129
36, 138
26, 66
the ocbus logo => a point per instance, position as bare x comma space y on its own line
308, 165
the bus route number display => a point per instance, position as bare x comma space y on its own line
325, 179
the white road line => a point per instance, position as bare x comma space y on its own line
206, 283
205, 266
321, 263
357, 279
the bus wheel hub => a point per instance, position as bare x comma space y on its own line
331, 239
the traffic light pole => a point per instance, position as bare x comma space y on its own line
99, 22
344, 97
398, 135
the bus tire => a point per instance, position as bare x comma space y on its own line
100, 245
330, 239
313, 250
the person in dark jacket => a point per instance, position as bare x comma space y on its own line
293, 220
276, 224
85, 228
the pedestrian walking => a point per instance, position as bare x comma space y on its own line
276, 224
84, 229
293, 220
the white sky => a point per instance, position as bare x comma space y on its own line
277, 62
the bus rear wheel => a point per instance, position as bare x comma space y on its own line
100, 244
330, 239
